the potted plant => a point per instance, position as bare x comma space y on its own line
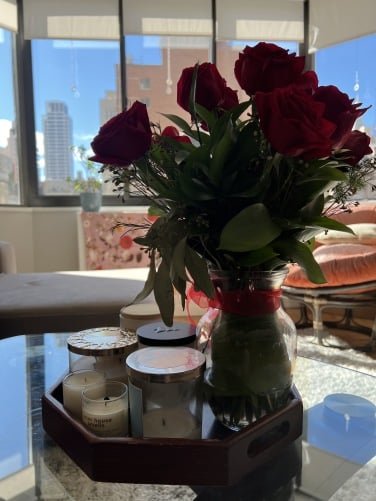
88, 183
240, 192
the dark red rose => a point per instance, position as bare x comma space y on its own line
340, 110
230, 99
171, 131
211, 89
124, 138
266, 66
293, 123
358, 144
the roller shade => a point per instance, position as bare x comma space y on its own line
335, 21
260, 20
167, 17
71, 19
8, 15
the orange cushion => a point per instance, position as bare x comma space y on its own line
342, 264
364, 213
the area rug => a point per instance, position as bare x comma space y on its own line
343, 355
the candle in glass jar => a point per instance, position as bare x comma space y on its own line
172, 422
73, 386
105, 410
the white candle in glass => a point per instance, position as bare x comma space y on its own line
105, 410
172, 422
73, 386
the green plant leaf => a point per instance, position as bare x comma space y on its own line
220, 154
298, 252
206, 116
256, 257
313, 208
251, 229
164, 293
178, 259
330, 224
198, 269
149, 283
184, 126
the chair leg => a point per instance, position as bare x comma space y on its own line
317, 322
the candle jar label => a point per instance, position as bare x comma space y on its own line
114, 425
106, 415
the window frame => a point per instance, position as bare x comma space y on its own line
25, 112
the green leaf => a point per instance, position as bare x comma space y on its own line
192, 92
313, 208
300, 253
198, 269
220, 154
184, 126
206, 116
251, 229
330, 224
256, 257
149, 283
164, 293
178, 259
325, 173
180, 285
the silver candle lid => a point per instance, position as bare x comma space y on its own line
102, 341
166, 365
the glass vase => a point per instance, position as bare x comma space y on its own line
250, 346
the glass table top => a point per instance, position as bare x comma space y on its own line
334, 459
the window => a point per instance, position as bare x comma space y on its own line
161, 59
76, 90
342, 56
81, 70
347, 66
145, 84
9, 167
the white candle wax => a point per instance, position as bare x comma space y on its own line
172, 422
73, 386
106, 416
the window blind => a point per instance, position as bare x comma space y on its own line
167, 17
71, 19
8, 15
263, 20
335, 21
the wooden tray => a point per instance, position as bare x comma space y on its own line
221, 457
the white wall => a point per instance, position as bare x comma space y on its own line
45, 239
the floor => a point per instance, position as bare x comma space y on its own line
351, 338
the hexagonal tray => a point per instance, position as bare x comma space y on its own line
221, 457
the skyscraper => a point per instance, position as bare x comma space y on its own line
58, 141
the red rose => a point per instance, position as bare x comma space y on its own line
340, 110
266, 67
358, 144
211, 89
172, 132
293, 123
124, 138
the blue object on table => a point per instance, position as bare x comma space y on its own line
344, 425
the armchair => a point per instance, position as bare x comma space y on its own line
349, 265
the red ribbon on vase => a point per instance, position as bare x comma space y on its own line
245, 302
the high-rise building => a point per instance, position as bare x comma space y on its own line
58, 141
